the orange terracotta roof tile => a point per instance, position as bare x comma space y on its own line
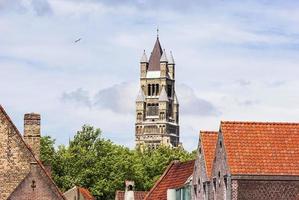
174, 176
86, 194
138, 195
208, 141
262, 148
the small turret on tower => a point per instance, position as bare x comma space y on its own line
171, 65
143, 65
163, 64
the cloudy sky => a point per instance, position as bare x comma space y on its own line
235, 60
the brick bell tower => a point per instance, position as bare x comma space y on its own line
157, 107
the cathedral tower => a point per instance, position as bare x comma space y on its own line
157, 107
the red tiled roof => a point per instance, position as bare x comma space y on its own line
31, 151
208, 141
86, 194
174, 176
154, 61
138, 195
262, 148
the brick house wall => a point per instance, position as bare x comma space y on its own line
266, 189
14, 157
19, 166
36, 185
220, 186
199, 176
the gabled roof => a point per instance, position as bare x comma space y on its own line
138, 195
208, 143
171, 60
43, 169
163, 96
175, 176
140, 97
154, 61
164, 57
261, 148
86, 194
144, 58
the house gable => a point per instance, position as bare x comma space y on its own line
36, 185
16, 158
220, 177
203, 164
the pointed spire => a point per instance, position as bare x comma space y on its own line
171, 60
140, 97
154, 61
175, 100
163, 57
144, 58
163, 95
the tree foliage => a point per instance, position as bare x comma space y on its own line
101, 166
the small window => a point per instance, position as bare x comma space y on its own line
195, 189
220, 143
214, 183
199, 185
199, 150
225, 181
130, 188
219, 180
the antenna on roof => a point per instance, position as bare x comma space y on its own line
157, 31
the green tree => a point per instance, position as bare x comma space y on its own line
101, 166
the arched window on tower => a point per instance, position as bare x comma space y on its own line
157, 89
169, 90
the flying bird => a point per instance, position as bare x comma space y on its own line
78, 40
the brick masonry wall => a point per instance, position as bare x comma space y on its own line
219, 188
36, 185
267, 190
14, 158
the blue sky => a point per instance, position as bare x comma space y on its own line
236, 60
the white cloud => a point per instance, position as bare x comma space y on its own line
239, 58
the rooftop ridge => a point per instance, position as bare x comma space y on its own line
257, 122
208, 132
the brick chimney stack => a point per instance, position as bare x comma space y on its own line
32, 132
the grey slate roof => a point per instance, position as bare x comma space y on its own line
163, 95
154, 61
144, 58
140, 97
164, 57
171, 60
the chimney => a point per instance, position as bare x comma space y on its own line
32, 132
129, 192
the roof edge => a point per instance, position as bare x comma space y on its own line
161, 178
30, 150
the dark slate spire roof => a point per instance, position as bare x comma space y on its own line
154, 61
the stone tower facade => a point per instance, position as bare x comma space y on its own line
32, 132
157, 107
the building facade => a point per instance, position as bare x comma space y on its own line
22, 175
157, 107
